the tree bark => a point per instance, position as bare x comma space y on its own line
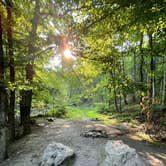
26, 95
152, 79
164, 84
112, 74
134, 73
141, 59
25, 107
11, 113
152, 69
3, 101
141, 71
120, 103
124, 74
115, 100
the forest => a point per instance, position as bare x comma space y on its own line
71, 63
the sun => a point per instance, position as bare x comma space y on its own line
67, 54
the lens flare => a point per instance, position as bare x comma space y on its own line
67, 54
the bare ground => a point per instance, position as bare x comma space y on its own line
27, 151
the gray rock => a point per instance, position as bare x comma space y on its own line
120, 154
95, 133
50, 119
55, 154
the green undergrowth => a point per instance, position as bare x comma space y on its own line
129, 114
58, 111
86, 113
147, 138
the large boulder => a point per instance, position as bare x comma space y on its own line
55, 154
120, 154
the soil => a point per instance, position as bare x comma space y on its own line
28, 150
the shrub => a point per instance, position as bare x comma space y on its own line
133, 108
59, 111
104, 109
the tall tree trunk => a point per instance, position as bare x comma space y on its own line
124, 74
134, 73
115, 99
152, 78
11, 113
164, 84
25, 107
120, 103
112, 74
152, 69
141, 62
3, 101
26, 95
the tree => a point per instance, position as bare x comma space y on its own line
141, 68
117, 19
3, 97
164, 84
26, 95
11, 113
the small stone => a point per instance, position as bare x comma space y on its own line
40, 115
95, 119
50, 119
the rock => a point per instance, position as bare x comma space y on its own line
120, 154
50, 119
95, 133
95, 119
55, 154
39, 115
113, 132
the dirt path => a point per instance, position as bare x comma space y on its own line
89, 152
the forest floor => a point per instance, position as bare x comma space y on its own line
28, 150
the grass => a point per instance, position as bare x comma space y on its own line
130, 113
128, 116
86, 113
94, 112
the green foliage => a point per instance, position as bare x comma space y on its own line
159, 115
105, 38
133, 108
59, 112
85, 113
104, 109
131, 114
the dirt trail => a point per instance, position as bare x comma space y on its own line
89, 152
